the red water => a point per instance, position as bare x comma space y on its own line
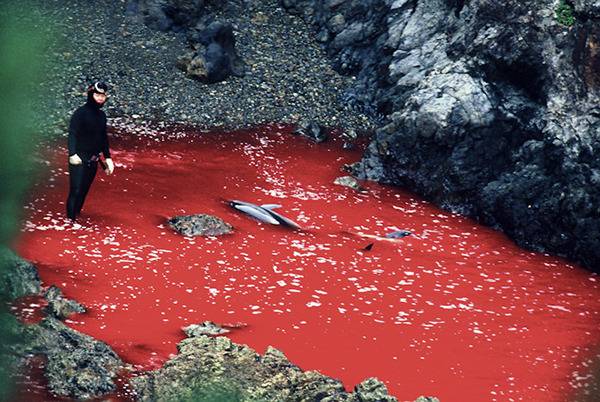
456, 311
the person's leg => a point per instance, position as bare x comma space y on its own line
75, 190
89, 172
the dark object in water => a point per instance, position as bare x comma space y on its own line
398, 234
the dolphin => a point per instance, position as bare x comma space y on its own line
391, 237
264, 213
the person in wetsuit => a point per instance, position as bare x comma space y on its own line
87, 140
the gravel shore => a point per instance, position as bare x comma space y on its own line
288, 77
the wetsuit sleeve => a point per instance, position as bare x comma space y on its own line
74, 126
105, 147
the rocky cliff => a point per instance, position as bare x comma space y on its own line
490, 109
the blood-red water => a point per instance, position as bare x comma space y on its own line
456, 310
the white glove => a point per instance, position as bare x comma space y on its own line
110, 166
75, 160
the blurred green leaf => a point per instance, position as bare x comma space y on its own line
22, 44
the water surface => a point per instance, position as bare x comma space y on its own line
456, 310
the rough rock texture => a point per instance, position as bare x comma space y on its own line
59, 306
427, 399
348, 181
168, 15
206, 328
18, 277
215, 57
205, 364
78, 366
200, 225
492, 109
312, 130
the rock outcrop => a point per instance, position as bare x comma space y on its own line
489, 109
59, 306
215, 57
217, 368
18, 278
78, 366
206, 328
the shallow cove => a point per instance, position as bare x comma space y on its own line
456, 310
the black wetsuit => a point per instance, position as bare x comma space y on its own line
87, 139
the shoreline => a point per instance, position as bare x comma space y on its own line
289, 78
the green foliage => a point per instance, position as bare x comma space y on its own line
21, 47
564, 13
19, 68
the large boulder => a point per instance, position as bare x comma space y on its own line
78, 366
217, 369
200, 225
496, 118
215, 58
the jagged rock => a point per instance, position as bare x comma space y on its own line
495, 118
206, 328
312, 130
18, 277
60, 307
78, 366
208, 365
13, 351
427, 399
349, 181
349, 136
372, 390
200, 225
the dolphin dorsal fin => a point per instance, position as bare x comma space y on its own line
270, 206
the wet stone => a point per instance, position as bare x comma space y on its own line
349, 181
205, 328
372, 390
59, 306
200, 225
78, 366
18, 277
